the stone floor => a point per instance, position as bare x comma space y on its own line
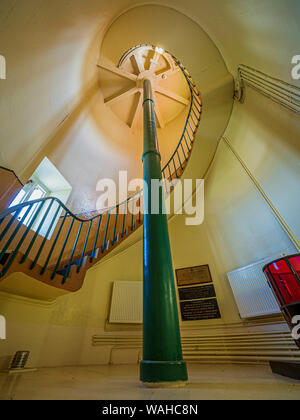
206, 382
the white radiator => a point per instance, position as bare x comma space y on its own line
127, 302
251, 290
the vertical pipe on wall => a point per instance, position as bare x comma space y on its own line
162, 362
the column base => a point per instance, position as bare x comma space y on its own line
177, 384
158, 374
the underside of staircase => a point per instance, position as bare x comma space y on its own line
75, 277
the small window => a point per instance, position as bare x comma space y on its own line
36, 194
31, 191
46, 181
18, 199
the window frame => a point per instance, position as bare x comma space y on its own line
29, 189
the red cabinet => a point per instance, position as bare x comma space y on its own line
284, 278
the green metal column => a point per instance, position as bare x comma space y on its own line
162, 355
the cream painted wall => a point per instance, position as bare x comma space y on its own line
263, 34
45, 63
239, 227
266, 137
51, 103
59, 333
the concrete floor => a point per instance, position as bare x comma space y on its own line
206, 382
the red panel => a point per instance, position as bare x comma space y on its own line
285, 280
295, 262
271, 281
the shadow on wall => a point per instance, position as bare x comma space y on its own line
259, 35
5, 362
59, 137
266, 136
106, 121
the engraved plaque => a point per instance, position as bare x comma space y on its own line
196, 310
198, 292
193, 275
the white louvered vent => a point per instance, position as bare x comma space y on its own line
251, 290
127, 302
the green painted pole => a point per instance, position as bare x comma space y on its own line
162, 363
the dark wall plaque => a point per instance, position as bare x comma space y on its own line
200, 309
193, 275
198, 292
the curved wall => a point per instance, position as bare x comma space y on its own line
51, 103
239, 228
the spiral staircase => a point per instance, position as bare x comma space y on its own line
61, 257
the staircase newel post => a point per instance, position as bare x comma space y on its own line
162, 362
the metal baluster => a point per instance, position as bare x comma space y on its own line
170, 173
186, 143
84, 246
179, 160
45, 240
67, 271
62, 250
95, 243
193, 120
124, 217
191, 141
54, 243
12, 236
36, 233
196, 99
199, 110
105, 236
116, 220
175, 168
192, 87
195, 114
13, 256
190, 126
183, 152
14, 217
165, 182
132, 215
